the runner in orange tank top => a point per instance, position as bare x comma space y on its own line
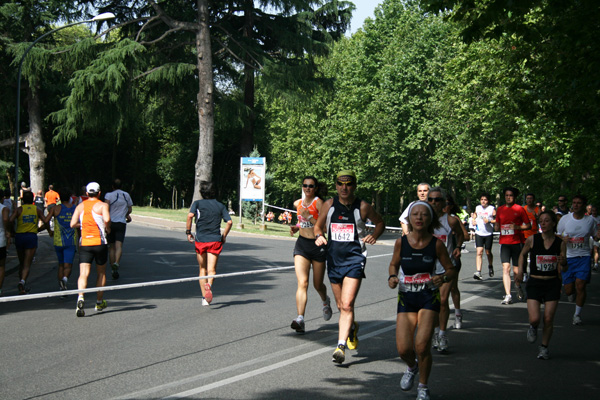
93, 217
307, 253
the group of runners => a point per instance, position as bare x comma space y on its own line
545, 249
83, 224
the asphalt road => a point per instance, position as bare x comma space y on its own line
159, 342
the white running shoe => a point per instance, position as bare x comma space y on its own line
507, 299
408, 379
543, 353
423, 394
435, 341
443, 344
477, 276
458, 321
577, 320
531, 334
205, 303
571, 298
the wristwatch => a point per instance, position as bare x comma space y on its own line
445, 278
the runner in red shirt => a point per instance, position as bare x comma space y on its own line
511, 220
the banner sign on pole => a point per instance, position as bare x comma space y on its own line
252, 179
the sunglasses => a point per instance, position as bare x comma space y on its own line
435, 199
311, 186
344, 183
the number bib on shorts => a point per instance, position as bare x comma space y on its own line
546, 263
342, 232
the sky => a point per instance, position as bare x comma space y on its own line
364, 9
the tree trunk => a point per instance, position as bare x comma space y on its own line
35, 148
203, 167
247, 140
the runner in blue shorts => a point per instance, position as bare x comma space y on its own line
575, 230
413, 270
65, 237
343, 218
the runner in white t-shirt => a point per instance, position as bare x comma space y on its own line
484, 235
422, 190
576, 229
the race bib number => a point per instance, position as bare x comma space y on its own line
507, 230
546, 263
306, 224
576, 242
342, 232
416, 283
28, 219
442, 238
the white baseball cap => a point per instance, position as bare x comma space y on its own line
92, 187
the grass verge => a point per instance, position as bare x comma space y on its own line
273, 229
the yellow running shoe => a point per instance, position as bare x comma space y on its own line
101, 306
352, 341
339, 354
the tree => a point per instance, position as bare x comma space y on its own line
21, 22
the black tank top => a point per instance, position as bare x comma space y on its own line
544, 262
417, 266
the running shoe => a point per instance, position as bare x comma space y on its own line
458, 321
62, 285
21, 288
435, 341
79, 310
339, 355
101, 306
577, 320
327, 312
423, 393
571, 298
477, 276
408, 379
205, 303
595, 267
115, 271
352, 341
520, 294
543, 353
491, 269
208, 293
298, 325
443, 344
531, 334
507, 299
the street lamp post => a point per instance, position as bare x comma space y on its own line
100, 17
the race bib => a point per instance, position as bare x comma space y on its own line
342, 232
546, 263
442, 238
416, 283
506, 230
306, 224
576, 242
